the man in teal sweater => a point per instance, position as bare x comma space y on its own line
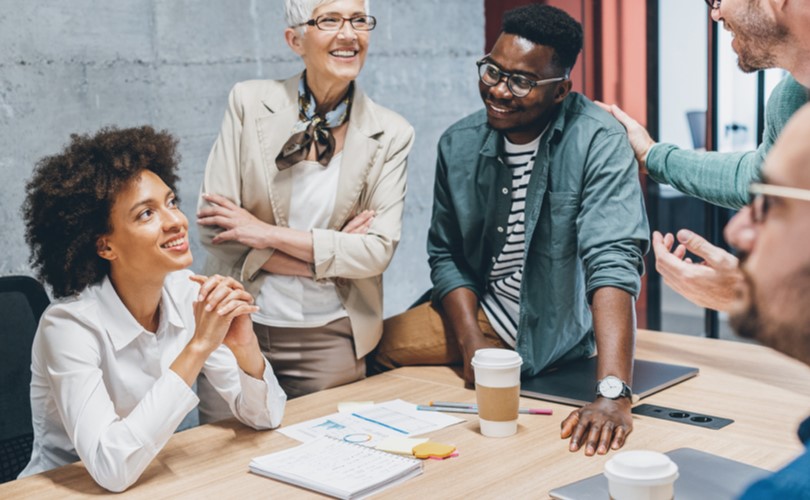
766, 35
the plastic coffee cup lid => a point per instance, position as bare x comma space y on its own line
496, 358
648, 468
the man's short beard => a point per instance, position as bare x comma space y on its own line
788, 330
762, 37
746, 320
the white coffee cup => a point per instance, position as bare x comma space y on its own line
641, 475
497, 390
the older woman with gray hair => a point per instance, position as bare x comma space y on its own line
303, 196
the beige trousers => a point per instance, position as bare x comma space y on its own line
307, 360
419, 337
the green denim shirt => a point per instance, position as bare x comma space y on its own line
585, 222
723, 178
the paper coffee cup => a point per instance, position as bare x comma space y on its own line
641, 475
497, 390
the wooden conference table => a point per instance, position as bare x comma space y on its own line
765, 393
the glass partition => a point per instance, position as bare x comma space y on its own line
684, 82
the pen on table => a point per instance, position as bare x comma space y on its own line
470, 408
451, 404
379, 423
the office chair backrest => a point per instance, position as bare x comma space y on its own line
22, 301
697, 127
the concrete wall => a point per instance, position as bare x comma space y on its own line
77, 66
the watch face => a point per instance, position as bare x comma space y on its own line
610, 387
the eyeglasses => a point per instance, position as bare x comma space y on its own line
713, 4
518, 85
761, 195
333, 22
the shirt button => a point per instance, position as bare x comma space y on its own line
494, 259
505, 191
500, 229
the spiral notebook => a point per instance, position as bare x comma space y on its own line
337, 468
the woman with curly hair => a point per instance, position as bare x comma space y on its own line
113, 361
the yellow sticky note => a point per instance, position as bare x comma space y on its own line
353, 406
400, 445
431, 449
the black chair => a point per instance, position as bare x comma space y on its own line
697, 127
22, 301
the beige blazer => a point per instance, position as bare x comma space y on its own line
259, 120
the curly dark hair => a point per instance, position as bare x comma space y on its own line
69, 198
547, 25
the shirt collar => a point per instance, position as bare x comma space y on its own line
121, 325
804, 432
493, 143
171, 308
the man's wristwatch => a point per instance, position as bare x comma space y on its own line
612, 387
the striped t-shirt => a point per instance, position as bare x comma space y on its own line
501, 302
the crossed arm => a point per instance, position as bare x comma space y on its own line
294, 250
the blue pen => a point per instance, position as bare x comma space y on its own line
449, 409
471, 408
380, 423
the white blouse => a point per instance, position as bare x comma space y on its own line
298, 301
102, 391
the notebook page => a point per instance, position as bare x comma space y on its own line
335, 466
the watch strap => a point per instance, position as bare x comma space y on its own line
626, 391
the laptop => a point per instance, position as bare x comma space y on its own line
575, 383
702, 476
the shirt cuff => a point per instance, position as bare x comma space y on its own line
162, 409
323, 252
253, 263
655, 161
268, 392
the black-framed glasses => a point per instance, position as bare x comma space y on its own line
334, 22
713, 4
761, 195
519, 85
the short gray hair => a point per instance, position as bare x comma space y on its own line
299, 11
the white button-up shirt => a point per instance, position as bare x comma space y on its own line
102, 390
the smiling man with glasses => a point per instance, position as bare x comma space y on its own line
773, 304
519, 85
538, 229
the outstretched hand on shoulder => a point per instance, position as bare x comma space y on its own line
640, 139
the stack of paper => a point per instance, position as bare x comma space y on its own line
372, 424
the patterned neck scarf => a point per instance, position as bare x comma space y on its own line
313, 128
